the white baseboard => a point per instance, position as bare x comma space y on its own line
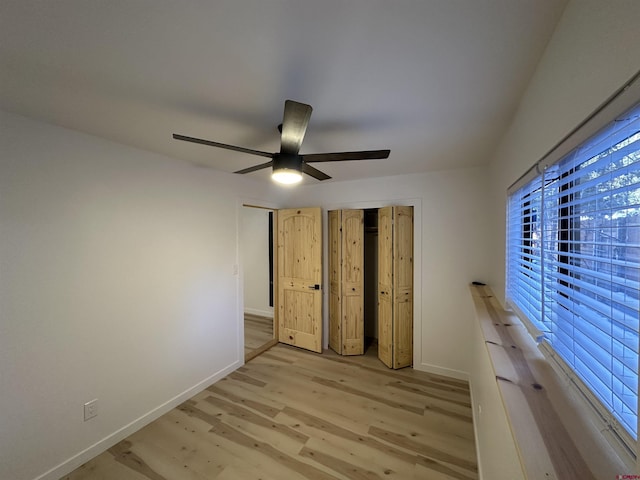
474, 414
260, 313
446, 372
97, 448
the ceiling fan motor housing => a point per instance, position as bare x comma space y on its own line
287, 161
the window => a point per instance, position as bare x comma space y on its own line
573, 265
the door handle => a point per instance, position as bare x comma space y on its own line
314, 287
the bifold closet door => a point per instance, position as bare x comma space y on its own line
395, 286
346, 281
335, 307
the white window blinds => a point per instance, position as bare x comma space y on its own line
573, 264
524, 263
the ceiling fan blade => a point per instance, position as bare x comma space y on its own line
294, 125
255, 167
342, 156
314, 172
222, 145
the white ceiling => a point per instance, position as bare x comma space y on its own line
435, 81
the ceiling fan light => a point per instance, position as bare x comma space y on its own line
286, 176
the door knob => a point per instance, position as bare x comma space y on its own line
314, 287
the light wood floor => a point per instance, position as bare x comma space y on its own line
258, 331
290, 414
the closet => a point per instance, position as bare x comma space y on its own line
371, 283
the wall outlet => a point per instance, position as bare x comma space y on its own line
90, 409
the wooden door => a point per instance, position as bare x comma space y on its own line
395, 286
335, 280
402, 286
300, 278
385, 285
346, 278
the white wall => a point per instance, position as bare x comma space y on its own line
116, 283
593, 51
254, 244
451, 234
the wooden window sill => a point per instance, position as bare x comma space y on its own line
551, 426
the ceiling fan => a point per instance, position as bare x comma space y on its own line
288, 165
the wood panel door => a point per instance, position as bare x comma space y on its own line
300, 278
395, 286
403, 286
385, 285
346, 279
335, 280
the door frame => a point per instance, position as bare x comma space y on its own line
238, 269
416, 203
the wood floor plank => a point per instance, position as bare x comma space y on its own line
330, 403
187, 442
422, 449
254, 446
177, 434
447, 398
333, 429
436, 466
264, 408
442, 436
434, 407
241, 471
247, 379
345, 468
272, 356
293, 415
246, 414
103, 467
123, 454
174, 446
376, 398
263, 448
258, 331
171, 462
364, 455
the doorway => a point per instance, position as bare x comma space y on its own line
371, 283
257, 253
371, 280
288, 272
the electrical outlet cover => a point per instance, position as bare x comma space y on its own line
90, 409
